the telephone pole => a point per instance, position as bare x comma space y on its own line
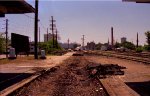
112, 38
36, 30
47, 34
6, 38
83, 42
137, 41
39, 34
56, 39
52, 28
68, 43
108, 41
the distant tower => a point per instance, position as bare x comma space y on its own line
137, 41
112, 37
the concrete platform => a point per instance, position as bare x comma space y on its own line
116, 87
31, 66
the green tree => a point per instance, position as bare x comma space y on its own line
147, 47
128, 45
75, 45
117, 45
148, 37
2, 44
48, 46
98, 46
139, 49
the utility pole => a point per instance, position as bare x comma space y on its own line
47, 34
39, 35
68, 43
108, 41
137, 41
56, 39
6, 38
36, 30
83, 42
112, 38
52, 28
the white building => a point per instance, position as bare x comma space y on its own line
91, 46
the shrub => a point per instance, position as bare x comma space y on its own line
146, 47
139, 49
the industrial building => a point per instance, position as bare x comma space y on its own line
123, 39
90, 45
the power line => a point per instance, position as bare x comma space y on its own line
19, 26
42, 26
38, 20
14, 29
29, 16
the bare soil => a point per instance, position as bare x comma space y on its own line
137, 75
68, 79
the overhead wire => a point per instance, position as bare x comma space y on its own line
39, 21
29, 16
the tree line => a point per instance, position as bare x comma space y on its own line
48, 46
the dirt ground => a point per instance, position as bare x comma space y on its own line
68, 79
135, 72
137, 75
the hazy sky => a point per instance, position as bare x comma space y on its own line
90, 18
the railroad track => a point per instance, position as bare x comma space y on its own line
143, 55
133, 57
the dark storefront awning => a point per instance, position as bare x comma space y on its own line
15, 7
